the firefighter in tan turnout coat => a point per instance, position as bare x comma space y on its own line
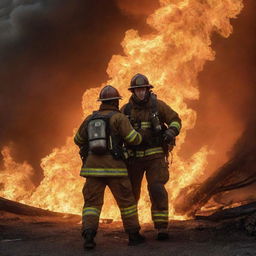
159, 125
100, 139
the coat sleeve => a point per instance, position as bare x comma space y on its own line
169, 117
81, 137
128, 133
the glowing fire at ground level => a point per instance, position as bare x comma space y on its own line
171, 56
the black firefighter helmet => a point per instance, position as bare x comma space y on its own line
139, 81
109, 93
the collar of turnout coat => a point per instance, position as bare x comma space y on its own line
105, 106
142, 104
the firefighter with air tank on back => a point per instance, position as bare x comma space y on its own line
101, 138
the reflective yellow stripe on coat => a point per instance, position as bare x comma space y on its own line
103, 172
132, 136
147, 152
145, 125
176, 125
79, 139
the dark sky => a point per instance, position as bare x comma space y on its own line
51, 50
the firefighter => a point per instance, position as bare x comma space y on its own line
159, 124
100, 139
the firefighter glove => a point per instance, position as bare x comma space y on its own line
169, 135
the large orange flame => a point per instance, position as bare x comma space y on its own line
15, 178
172, 57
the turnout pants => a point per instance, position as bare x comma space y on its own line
121, 189
157, 174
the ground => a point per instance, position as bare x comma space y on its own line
54, 236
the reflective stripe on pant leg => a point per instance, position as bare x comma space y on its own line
157, 175
130, 219
129, 211
160, 216
90, 217
93, 193
91, 211
122, 192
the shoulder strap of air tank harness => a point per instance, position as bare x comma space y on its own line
154, 108
128, 106
98, 115
109, 115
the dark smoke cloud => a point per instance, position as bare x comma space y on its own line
138, 8
50, 52
15, 16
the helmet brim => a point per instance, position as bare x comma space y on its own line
141, 86
114, 98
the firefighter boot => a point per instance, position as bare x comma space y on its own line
162, 234
89, 235
135, 239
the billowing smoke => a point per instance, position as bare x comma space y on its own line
138, 8
50, 52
